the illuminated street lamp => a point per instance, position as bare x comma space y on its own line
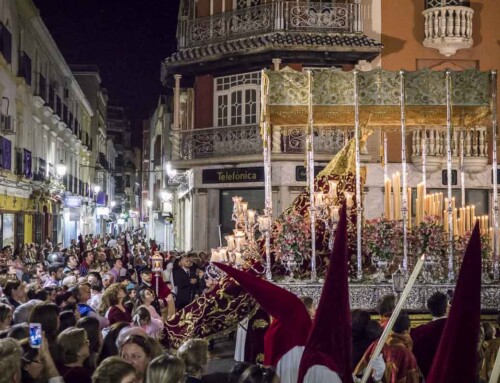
149, 203
61, 169
97, 188
113, 203
165, 195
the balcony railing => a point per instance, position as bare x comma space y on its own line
448, 28
279, 15
475, 147
245, 140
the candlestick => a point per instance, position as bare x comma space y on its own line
231, 244
395, 314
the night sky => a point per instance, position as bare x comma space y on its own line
126, 39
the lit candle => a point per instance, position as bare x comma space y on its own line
318, 199
486, 222
453, 202
473, 215
459, 225
332, 190
417, 211
348, 199
445, 221
223, 255
397, 196
335, 213
230, 242
467, 218
455, 226
387, 198
251, 216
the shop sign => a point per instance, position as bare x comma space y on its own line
233, 175
101, 210
72, 201
301, 173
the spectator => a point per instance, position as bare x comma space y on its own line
142, 318
114, 370
88, 258
94, 335
72, 349
38, 364
109, 347
14, 291
23, 312
112, 304
47, 314
10, 360
96, 294
70, 264
166, 368
5, 316
237, 370
55, 275
67, 319
139, 352
81, 294
194, 354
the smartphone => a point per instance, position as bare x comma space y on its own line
35, 335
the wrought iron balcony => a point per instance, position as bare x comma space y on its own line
246, 140
448, 25
281, 15
475, 147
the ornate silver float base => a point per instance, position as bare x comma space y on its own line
365, 296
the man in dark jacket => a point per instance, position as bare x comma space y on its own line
184, 281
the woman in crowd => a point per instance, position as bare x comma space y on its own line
145, 297
114, 370
5, 316
67, 319
14, 291
112, 304
142, 318
47, 314
138, 351
72, 349
166, 369
37, 364
94, 335
194, 354
109, 347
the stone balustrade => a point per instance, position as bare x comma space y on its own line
475, 148
448, 28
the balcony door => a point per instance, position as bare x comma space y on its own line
236, 100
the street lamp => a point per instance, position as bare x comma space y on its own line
113, 204
168, 169
97, 188
149, 203
165, 195
61, 169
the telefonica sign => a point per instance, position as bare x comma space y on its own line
232, 175
72, 201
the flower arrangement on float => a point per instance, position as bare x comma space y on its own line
292, 241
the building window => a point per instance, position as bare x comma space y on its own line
236, 99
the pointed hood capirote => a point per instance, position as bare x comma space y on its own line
456, 356
329, 343
291, 322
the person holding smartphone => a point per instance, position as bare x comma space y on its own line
37, 363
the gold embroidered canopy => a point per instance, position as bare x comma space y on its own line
379, 98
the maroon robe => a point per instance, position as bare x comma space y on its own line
254, 342
425, 343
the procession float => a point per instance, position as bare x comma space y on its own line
437, 112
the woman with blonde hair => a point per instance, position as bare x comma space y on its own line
166, 369
194, 354
114, 370
72, 348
